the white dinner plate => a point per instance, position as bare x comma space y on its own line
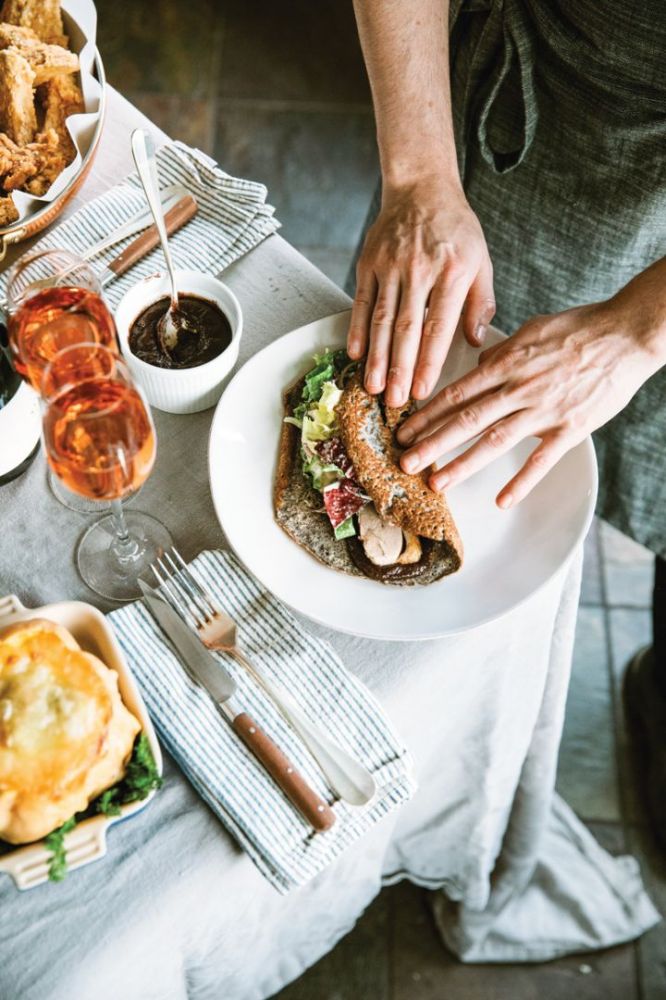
508, 554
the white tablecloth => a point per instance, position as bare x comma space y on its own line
176, 910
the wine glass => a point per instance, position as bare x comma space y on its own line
54, 300
100, 442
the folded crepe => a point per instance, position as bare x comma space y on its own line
340, 492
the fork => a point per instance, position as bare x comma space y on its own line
179, 584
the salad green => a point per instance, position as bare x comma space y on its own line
141, 777
316, 419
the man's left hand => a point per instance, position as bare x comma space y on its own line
558, 378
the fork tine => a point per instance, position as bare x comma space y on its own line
188, 573
183, 581
173, 595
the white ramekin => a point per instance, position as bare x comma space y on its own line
20, 427
180, 390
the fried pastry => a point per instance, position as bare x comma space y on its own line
51, 161
17, 108
17, 164
45, 60
39, 90
34, 167
8, 211
60, 98
42, 16
65, 735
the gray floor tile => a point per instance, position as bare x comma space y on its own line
320, 168
587, 771
357, 968
591, 589
162, 48
423, 970
629, 629
333, 263
628, 569
652, 945
305, 51
189, 119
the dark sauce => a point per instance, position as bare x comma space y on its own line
395, 571
204, 332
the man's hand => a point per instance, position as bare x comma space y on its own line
558, 378
425, 251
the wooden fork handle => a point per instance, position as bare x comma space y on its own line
177, 216
295, 787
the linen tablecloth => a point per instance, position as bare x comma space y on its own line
176, 910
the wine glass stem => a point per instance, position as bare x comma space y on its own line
124, 547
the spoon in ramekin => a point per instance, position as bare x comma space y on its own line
172, 323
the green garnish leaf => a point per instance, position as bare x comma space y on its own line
107, 802
141, 777
56, 844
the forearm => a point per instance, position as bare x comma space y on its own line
649, 321
405, 45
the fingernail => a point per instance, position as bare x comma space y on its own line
372, 381
409, 463
420, 389
505, 501
480, 332
406, 435
442, 480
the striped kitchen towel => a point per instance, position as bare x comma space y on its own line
233, 217
226, 775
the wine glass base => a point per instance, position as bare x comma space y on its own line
77, 503
117, 578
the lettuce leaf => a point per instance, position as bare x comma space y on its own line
319, 420
322, 475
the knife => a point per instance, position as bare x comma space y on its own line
177, 216
220, 685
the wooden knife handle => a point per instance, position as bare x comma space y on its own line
176, 217
294, 786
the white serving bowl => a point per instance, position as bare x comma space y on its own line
180, 390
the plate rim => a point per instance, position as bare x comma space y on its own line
562, 566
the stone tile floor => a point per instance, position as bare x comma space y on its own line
279, 94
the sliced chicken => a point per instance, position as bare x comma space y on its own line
382, 542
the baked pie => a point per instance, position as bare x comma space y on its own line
65, 735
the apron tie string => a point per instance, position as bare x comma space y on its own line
500, 95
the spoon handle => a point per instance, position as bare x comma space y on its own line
143, 152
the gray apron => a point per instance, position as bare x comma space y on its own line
560, 118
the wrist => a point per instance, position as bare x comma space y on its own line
641, 308
652, 342
432, 164
435, 177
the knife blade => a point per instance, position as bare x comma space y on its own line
199, 662
209, 672
180, 213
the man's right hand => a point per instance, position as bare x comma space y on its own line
426, 251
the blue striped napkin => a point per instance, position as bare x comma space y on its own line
233, 217
224, 772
